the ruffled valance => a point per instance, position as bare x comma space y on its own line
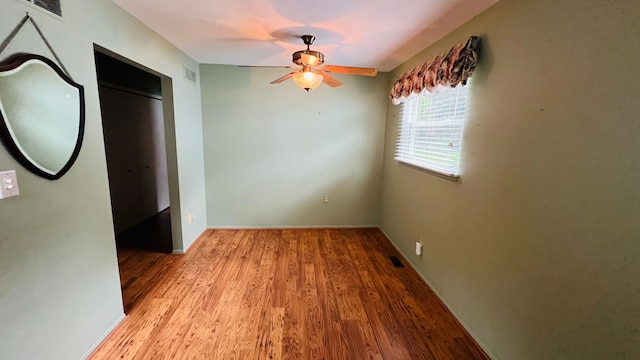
446, 70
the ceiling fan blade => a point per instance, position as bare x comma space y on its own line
271, 66
350, 70
286, 77
329, 80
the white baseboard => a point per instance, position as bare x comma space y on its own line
270, 227
184, 251
104, 336
435, 291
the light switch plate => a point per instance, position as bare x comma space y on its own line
8, 184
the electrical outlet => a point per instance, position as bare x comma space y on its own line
326, 199
419, 247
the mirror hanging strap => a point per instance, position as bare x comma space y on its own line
15, 31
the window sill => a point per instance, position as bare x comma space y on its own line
440, 174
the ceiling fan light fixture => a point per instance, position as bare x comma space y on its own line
312, 71
307, 79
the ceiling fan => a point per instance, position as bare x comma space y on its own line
312, 71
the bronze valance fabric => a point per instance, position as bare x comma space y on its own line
446, 70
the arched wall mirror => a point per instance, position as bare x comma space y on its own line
42, 114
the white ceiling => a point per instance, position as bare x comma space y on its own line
366, 33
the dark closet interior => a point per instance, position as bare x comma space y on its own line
135, 147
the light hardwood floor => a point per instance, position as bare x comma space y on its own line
281, 294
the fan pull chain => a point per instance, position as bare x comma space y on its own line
15, 31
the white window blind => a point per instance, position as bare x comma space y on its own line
430, 130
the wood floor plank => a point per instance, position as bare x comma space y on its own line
356, 345
383, 323
293, 333
282, 294
129, 344
333, 340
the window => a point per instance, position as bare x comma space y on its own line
431, 130
52, 6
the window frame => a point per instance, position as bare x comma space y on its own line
433, 113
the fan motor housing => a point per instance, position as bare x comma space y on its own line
298, 58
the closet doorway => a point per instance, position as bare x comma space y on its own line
133, 121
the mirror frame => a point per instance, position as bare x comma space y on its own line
12, 63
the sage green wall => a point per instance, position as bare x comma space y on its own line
273, 151
59, 283
536, 248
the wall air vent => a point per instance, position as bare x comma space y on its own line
190, 75
396, 262
52, 6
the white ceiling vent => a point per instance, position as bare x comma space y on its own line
190, 75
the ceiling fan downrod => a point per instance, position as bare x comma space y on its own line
308, 40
